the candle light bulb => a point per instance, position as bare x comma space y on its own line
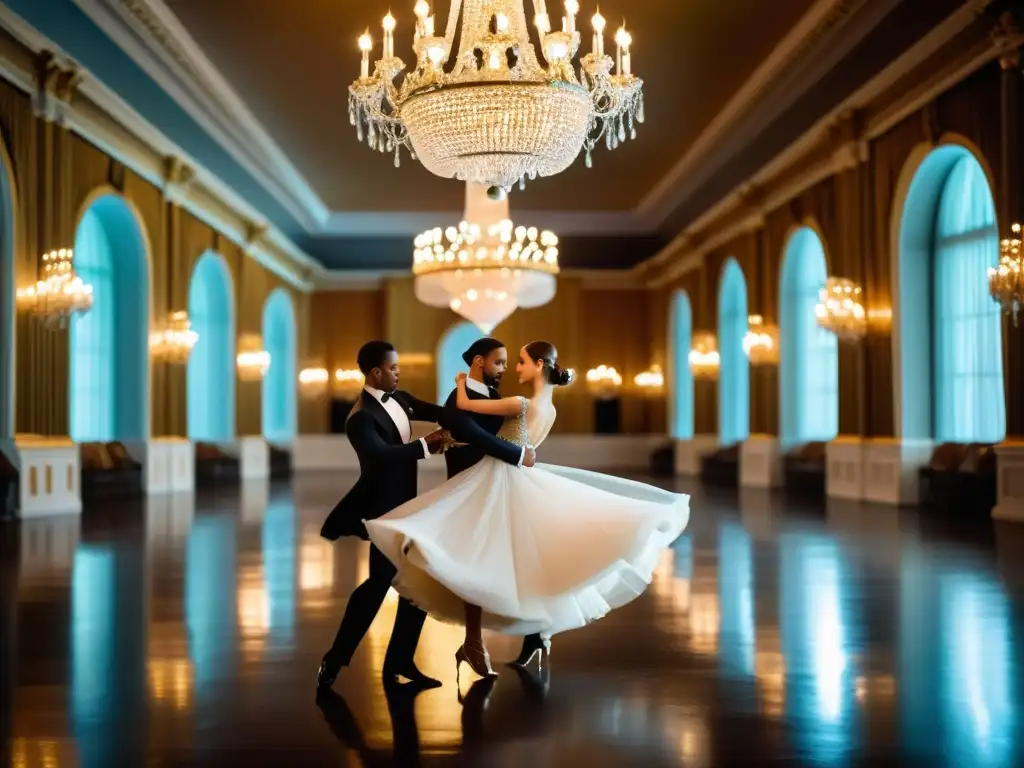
623, 39
501, 23
389, 23
365, 42
598, 22
422, 9
572, 7
542, 22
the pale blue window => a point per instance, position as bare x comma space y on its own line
279, 383
680, 341
734, 373
449, 362
109, 353
210, 378
809, 356
969, 402
950, 383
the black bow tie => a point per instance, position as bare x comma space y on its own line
385, 397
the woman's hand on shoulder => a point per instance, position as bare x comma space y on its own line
460, 379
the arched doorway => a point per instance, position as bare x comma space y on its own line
734, 372
448, 359
809, 364
680, 340
279, 383
7, 291
109, 344
211, 366
950, 359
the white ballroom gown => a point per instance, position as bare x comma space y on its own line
543, 549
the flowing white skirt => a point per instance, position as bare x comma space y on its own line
543, 549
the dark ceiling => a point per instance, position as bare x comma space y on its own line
292, 63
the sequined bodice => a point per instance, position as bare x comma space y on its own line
514, 429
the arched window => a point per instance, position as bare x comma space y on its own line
950, 344
734, 373
449, 362
7, 291
109, 344
809, 370
279, 383
211, 366
680, 339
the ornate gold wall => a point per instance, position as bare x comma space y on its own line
853, 210
58, 174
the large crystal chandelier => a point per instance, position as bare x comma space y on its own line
59, 294
840, 311
485, 268
1006, 282
497, 115
174, 343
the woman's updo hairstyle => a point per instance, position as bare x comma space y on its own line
544, 352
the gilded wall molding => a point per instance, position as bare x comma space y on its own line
55, 86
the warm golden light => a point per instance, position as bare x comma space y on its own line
704, 358
840, 310
59, 294
174, 344
761, 343
253, 361
314, 381
604, 381
365, 42
421, 9
389, 23
650, 380
1006, 282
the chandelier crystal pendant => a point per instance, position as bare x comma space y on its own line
840, 310
499, 114
1006, 282
59, 294
486, 268
174, 344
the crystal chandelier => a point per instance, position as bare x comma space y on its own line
485, 268
704, 358
761, 343
175, 342
604, 381
253, 361
313, 382
1006, 282
650, 381
59, 294
497, 115
840, 310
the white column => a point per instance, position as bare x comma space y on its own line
253, 458
690, 452
761, 462
1009, 482
891, 470
844, 468
49, 476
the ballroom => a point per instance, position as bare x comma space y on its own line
779, 248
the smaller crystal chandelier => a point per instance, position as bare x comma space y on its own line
253, 361
840, 310
651, 381
348, 383
175, 342
704, 358
761, 344
1006, 282
604, 382
313, 382
59, 294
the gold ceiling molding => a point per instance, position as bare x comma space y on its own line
845, 133
100, 116
55, 87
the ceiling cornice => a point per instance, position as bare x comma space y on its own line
103, 118
150, 33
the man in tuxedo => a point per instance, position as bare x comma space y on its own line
378, 427
487, 359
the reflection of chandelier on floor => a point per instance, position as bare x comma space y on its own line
59, 294
498, 116
485, 268
175, 342
1006, 282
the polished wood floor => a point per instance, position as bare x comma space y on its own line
189, 633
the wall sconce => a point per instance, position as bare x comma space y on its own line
313, 382
604, 382
174, 344
59, 294
415, 359
704, 358
761, 343
348, 383
650, 382
840, 310
253, 361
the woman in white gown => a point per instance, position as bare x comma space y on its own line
526, 550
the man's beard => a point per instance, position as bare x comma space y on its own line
492, 381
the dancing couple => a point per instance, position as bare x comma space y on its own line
504, 544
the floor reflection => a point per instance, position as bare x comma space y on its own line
187, 632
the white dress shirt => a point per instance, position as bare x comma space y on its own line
399, 416
482, 389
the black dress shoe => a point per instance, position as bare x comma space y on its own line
327, 673
393, 677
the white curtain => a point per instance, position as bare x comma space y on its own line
93, 388
968, 373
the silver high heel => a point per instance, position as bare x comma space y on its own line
482, 668
539, 645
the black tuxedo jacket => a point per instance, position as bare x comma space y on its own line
479, 430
